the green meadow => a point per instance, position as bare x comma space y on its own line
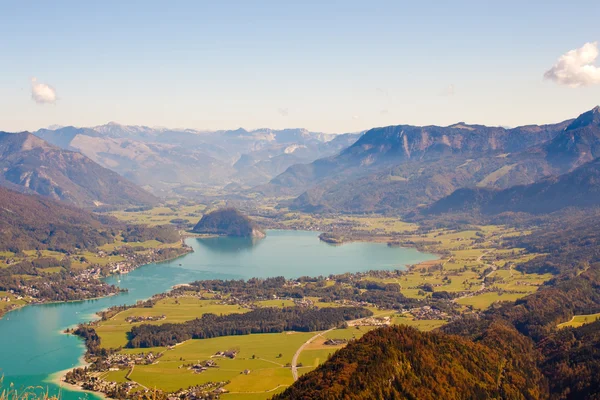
580, 320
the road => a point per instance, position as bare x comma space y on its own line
309, 341
297, 354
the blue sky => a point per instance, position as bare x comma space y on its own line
327, 66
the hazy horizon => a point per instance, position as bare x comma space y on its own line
200, 130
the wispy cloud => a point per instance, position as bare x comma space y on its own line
382, 92
355, 117
449, 90
284, 112
42, 93
576, 67
384, 112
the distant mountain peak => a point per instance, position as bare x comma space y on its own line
462, 125
591, 117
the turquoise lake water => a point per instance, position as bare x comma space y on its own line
33, 347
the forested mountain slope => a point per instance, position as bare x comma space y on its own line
34, 222
579, 188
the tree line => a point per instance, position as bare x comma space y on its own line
261, 320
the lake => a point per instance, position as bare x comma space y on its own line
33, 347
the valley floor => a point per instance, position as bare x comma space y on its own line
475, 270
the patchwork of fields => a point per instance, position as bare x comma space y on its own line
261, 367
474, 268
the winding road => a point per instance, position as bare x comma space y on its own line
309, 341
297, 354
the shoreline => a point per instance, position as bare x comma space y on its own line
2, 315
42, 303
57, 378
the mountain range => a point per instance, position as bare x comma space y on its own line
402, 167
396, 168
164, 160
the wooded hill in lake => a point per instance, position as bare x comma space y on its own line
228, 222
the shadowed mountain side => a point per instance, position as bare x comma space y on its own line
34, 222
579, 188
30, 164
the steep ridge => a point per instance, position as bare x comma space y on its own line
32, 165
578, 144
393, 145
401, 167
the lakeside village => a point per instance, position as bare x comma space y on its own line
73, 284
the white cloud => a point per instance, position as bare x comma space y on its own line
576, 67
448, 91
284, 112
384, 112
355, 117
42, 93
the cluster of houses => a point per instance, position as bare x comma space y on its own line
372, 321
429, 313
138, 318
29, 291
203, 366
96, 384
90, 273
209, 390
335, 342
353, 303
227, 354
118, 361
306, 303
